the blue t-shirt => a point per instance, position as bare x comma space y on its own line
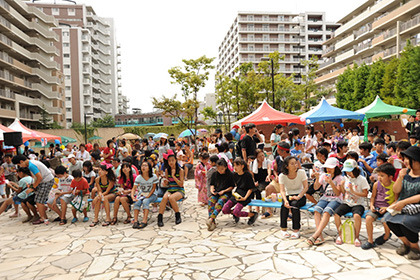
32, 167
23, 183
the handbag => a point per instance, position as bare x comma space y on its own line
78, 203
347, 230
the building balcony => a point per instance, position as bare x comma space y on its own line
329, 76
397, 14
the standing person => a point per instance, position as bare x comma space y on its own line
293, 186
189, 160
44, 180
354, 141
275, 138
9, 171
409, 127
200, 178
221, 186
107, 191
231, 146
249, 143
242, 197
163, 146
82, 154
146, 188
174, 181
406, 225
125, 183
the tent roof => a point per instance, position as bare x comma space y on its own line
380, 109
31, 134
265, 114
325, 112
4, 129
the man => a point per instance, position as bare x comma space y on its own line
250, 140
417, 124
82, 154
44, 180
68, 150
74, 164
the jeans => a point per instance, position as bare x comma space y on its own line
145, 202
284, 213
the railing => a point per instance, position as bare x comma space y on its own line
363, 46
367, 60
329, 49
325, 64
4, 5
389, 33
410, 23
7, 94
270, 39
5, 22
364, 29
390, 51
265, 19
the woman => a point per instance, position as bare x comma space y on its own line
212, 145
125, 182
174, 181
163, 146
275, 137
293, 186
406, 225
261, 170
109, 151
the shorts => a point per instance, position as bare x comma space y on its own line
375, 215
42, 191
145, 202
324, 206
183, 194
30, 199
3, 189
161, 191
65, 198
130, 200
17, 200
275, 185
188, 165
344, 209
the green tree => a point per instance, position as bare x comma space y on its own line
308, 86
45, 120
388, 81
374, 82
361, 74
227, 92
345, 88
209, 114
107, 121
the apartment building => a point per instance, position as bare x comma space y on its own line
254, 35
89, 61
375, 30
30, 72
122, 99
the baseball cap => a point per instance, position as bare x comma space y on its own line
349, 165
331, 163
71, 156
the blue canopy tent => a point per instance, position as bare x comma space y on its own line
325, 112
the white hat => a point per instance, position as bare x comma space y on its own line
71, 156
331, 162
349, 165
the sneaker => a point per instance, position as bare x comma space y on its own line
74, 220
86, 219
403, 250
252, 220
414, 254
284, 234
381, 240
295, 235
235, 219
368, 245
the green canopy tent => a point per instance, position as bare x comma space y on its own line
64, 141
94, 138
380, 109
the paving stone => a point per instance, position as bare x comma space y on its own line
100, 265
375, 273
292, 269
320, 262
410, 270
71, 261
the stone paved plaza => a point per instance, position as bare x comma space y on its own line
188, 251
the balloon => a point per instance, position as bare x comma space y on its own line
302, 119
26, 143
341, 124
56, 141
405, 110
308, 121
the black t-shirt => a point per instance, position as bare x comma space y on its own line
222, 181
244, 183
249, 145
261, 175
171, 141
417, 129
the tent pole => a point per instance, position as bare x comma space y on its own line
323, 124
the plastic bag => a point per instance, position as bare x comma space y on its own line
347, 230
78, 203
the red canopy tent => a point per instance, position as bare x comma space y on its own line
265, 114
4, 129
32, 134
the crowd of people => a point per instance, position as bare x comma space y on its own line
337, 173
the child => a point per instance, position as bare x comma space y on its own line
382, 197
354, 141
242, 197
174, 181
116, 167
146, 186
89, 175
414, 140
329, 183
213, 160
341, 152
407, 225
64, 196
80, 187
125, 182
9, 171
354, 188
107, 191
221, 186
2, 183
22, 193
380, 160
200, 178
297, 150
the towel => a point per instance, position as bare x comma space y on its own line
255, 165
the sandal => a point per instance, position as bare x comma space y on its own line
128, 220
311, 241
63, 222
357, 242
94, 224
319, 242
114, 221
106, 223
266, 215
339, 241
142, 225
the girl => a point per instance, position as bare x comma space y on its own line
145, 185
89, 175
221, 186
293, 186
109, 151
329, 183
354, 188
125, 182
407, 225
242, 197
275, 137
107, 191
212, 145
261, 170
200, 178
174, 176
2, 183
163, 146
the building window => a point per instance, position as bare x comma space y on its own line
71, 11
68, 98
55, 11
265, 18
66, 55
68, 109
68, 88
281, 18
266, 37
250, 27
66, 34
250, 17
66, 66
68, 77
265, 27
66, 45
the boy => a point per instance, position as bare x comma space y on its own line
63, 196
116, 167
382, 197
297, 150
380, 160
414, 140
379, 149
80, 187
366, 159
341, 152
9, 171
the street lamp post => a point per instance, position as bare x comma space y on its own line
272, 78
86, 114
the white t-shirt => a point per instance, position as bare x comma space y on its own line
145, 187
328, 191
64, 184
37, 166
83, 156
293, 186
275, 137
359, 184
